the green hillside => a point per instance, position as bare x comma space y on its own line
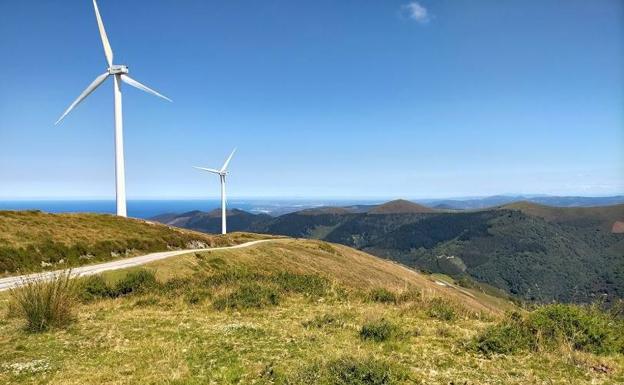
291, 312
532, 251
35, 241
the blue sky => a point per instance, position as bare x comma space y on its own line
323, 98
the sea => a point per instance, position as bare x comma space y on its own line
146, 209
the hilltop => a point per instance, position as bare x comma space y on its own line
34, 240
603, 217
400, 206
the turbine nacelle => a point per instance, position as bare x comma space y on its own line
117, 69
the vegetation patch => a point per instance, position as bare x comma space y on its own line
583, 328
441, 309
248, 296
382, 295
379, 330
347, 371
44, 304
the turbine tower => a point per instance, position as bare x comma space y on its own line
119, 74
222, 174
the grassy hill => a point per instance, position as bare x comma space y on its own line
288, 312
34, 241
535, 252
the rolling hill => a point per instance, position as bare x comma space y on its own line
287, 312
32, 241
532, 251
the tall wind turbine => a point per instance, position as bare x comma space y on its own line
222, 174
119, 74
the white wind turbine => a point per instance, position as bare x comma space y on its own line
119, 74
222, 174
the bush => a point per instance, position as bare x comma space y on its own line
441, 309
45, 303
345, 371
548, 327
378, 330
382, 295
94, 287
248, 296
135, 281
508, 337
585, 328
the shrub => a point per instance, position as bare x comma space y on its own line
347, 371
507, 337
378, 330
382, 295
45, 303
93, 287
135, 281
248, 296
548, 327
441, 309
585, 328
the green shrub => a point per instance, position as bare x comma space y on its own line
93, 287
441, 309
135, 281
247, 296
382, 295
45, 303
378, 330
548, 327
345, 371
508, 337
585, 328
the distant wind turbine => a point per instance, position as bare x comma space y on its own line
222, 174
119, 73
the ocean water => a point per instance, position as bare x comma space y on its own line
150, 208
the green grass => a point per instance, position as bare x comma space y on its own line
33, 241
44, 304
160, 335
550, 327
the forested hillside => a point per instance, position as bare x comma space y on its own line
532, 251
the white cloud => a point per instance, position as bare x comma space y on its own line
416, 12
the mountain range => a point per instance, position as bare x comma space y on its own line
531, 251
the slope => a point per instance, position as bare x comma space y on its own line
33, 241
289, 312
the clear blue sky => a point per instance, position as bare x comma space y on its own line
323, 98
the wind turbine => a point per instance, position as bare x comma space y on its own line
119, 74
222, 174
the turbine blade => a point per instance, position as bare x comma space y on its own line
142, 87
95, 84
228, 160
108, 51
208, 169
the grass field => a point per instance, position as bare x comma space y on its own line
318, 325
32, 241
